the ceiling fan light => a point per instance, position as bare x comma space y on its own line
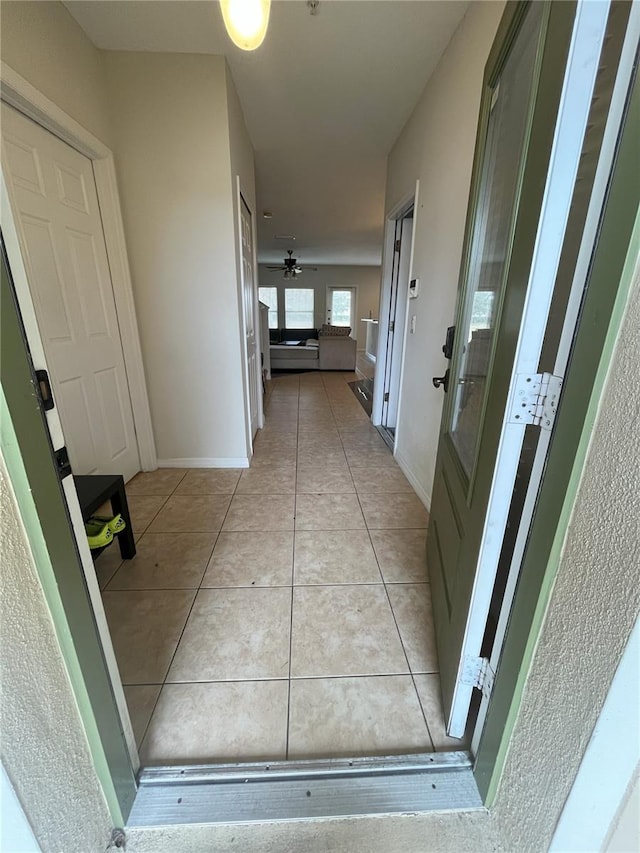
246, 21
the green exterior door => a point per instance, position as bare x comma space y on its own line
522, 88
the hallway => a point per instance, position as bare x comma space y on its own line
280, 612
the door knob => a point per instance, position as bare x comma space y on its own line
442, 381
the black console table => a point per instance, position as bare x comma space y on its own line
94, 490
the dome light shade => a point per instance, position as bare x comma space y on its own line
246, 21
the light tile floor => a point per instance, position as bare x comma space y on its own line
283, 611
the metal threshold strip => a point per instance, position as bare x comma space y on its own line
294, 790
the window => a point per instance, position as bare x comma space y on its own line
298, 308
269, 295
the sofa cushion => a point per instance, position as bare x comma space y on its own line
297, 334
282, 352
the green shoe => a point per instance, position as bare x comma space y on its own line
116, 524
98, 538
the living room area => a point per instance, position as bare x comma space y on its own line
317, 318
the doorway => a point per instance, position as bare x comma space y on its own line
341, 306
285, 401
393, 321
250, 312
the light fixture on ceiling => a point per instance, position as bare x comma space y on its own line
313, 6
290, 267
246, 21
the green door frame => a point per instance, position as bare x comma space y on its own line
602, 310
27, 448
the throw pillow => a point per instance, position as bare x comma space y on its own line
329, 331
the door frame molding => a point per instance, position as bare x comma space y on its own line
24, 97
241, 198
395, 213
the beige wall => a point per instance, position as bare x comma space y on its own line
178, 136
365, 279
171, 140
45, 45
436, 147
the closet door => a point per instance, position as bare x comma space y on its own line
55, 206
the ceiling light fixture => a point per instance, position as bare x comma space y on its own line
246, 21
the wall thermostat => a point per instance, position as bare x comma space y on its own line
414, 288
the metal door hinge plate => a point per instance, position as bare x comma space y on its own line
535, 400
477, 672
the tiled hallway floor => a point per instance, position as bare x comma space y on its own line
281, 611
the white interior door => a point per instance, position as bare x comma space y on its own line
249, 300
397, 320
55, 206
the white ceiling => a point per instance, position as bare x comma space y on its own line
324, 98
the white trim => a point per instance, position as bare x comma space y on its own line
573, 113
240, 200
395, 213
17, 833
20, 94
414, 232
609, 765
205, 462
415, 482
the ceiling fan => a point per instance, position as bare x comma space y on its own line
290, 267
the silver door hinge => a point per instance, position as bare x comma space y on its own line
397, 245
477, 672
535, 400
385, 399
392, 325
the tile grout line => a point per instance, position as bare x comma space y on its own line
393, 614
293, 558
186, 622
155, 704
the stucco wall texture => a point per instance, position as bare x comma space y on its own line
44, 749
592, 611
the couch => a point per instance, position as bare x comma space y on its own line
330, 350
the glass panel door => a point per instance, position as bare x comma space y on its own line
341, 304
489, 259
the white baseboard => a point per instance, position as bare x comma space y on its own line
204, 462
411, 477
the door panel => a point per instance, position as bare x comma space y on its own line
523, 85
397, 318
249, 298
55, 205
